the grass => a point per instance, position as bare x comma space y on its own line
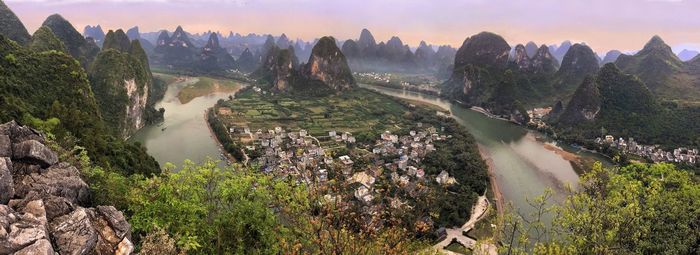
355, 111
206, 86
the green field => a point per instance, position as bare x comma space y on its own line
355, 111
207, 86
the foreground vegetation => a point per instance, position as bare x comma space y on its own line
637, 209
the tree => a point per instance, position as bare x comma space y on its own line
637, 209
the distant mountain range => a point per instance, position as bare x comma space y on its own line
365, 54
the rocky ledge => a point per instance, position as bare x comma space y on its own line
42, 203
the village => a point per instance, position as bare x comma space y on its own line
629, 146
652, 152
315, 160
410, 82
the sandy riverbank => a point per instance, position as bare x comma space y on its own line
498, 196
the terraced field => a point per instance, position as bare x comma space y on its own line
358, 111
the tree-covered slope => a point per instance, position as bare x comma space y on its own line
121, 80
81, 49
11, 27
621, 104
51, 84
44, 40
662, 71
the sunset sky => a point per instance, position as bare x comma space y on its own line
603, 24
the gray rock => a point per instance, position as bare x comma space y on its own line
5, 146
40, 247
73, 233
7, 189
24, 168
57, 206
35, 152
61, 180
19, 133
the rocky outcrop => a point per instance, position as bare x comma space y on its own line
42, 203
329, 66
278, 68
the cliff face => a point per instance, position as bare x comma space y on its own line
278, 68
43, 203
121, 80
328, 65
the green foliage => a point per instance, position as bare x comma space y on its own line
44, 40
51, 84
111, 75
212, 210
638, 209
117, 40
629, 109
74, 42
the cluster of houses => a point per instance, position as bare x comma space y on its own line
653, 152
298, 154
537, 117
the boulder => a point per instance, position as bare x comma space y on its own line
40, 247
73, 233
35, 152
5, 146
19, 133
61, 180
7, 189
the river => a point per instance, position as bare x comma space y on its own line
184, 133
523, 166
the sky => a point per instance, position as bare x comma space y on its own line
625, 25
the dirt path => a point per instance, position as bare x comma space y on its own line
498, 196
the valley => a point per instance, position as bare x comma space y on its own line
312, 138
